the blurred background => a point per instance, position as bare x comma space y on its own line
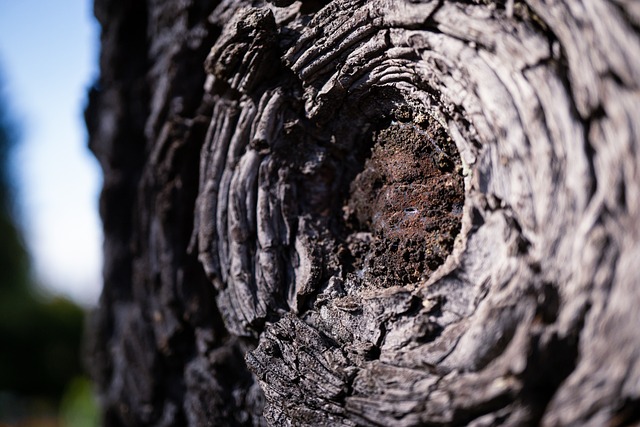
50, 238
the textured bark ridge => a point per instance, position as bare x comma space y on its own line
369, 213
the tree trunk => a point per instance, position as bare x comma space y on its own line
368, 213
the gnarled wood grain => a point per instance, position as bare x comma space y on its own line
246, 284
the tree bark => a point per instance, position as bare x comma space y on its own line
367, 213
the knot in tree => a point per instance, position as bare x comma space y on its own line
406, 203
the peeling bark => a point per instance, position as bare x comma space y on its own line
368, 213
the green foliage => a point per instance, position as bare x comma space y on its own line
78, 408
40, 343
40, 337
14, 265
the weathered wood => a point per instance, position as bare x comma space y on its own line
369, 213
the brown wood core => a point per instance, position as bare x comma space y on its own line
409, 196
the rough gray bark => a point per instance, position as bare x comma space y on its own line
369, 212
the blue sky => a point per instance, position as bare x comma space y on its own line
49, 57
